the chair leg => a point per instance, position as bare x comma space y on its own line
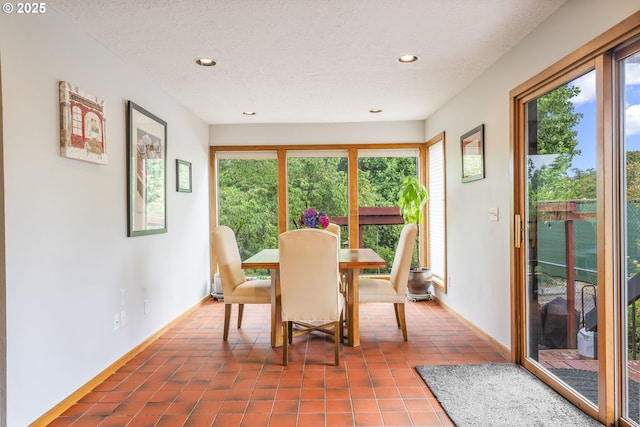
240, 311
395, 308
403, 320
337, 339
227, 318
285, 343
290, 327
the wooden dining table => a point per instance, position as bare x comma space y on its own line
351, 262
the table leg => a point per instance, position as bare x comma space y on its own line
276, 313
353, 315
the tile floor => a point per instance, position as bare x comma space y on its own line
190, 377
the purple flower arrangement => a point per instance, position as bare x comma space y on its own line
312, 218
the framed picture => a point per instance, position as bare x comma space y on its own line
472, 144
146, 172
183, 176
82, 125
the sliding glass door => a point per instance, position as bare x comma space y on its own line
576, 229
560, 235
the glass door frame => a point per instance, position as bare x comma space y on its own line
519, 255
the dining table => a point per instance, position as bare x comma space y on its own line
351, 262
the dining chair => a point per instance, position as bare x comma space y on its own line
393, 290
310, 287
335, 229
236, 289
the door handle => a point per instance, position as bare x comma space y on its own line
517, 231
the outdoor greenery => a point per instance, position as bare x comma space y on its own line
379, 182
411, 199
317, 182
552, 180
248, 202
557, 141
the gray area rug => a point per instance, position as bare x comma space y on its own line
501, 394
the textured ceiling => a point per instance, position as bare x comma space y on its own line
309, 61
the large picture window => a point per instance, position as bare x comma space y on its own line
261, 191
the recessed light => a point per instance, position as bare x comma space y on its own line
375, 110
249, 113
205, 62
405, 59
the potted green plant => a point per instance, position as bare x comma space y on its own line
411, 200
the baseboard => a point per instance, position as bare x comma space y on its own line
506, 352
74, 397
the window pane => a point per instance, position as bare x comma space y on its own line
630, 95
436, 211
248, 203
561, 227
379, 181
320, 183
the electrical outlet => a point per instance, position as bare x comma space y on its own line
116, 321
147, 306
123, 318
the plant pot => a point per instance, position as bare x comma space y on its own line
420, 279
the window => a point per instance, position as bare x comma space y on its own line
380, 176
436, 211
260, 191
318, 179
248, 198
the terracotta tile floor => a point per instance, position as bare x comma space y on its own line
190, 377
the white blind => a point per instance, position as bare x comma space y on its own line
436, 212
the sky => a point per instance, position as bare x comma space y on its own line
585, 103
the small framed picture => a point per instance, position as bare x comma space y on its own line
183, 176
472, 144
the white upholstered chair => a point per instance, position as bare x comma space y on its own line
393, 290
335, 229
310, 286
236, 288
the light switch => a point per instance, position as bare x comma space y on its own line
493, 214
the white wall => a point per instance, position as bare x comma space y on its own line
317, 133
67, 251
478, 249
